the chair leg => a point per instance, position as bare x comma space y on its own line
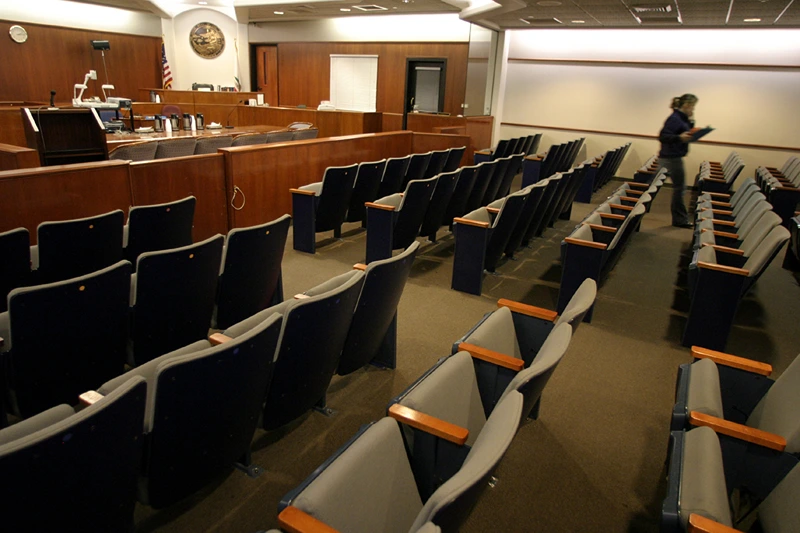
245, 464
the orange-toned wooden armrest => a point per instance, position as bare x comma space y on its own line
595, 165
724, 222
293, 520
218, 338
620, 206
379, 206
725, 249
716, 180
490, 356
485, 151
429, 424
723, 268
359, 266
720, 204
721, 212
701, 524
628, 198
733, 361
468, 222
727, 234
738, 431
302, 191
637, 184
712, 163
582, 242
89, 397
719, 194
600, 227
493, 210
534, 158
631, 191
528, 310
613, 216
772, 169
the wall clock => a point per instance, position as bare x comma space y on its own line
207, 40
18, 34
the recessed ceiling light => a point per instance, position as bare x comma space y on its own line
752, 20
345, 9
278, 12
579, 22
203, 3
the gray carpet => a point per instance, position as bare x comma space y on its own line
594, 460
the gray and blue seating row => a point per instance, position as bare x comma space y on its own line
781, 187
714, 176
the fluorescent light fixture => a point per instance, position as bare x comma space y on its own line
278, 12
525, 21
345, 9
371, 7
203, 3
578, 21
752, 20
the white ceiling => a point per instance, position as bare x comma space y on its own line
515, 14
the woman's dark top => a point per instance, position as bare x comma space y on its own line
670, 135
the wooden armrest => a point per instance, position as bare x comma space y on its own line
637, 184
485, 151
360, 266
733, 361
582, 242
631, 191
528, 310
721, 204
218, 338
600, 227
628, 198
715, 179
490, 356
620, 206
722, 212
493, 210
293, 520
719, 194
429, 424
534, 158
468, 222
701, 524
738, 431
89, 397
721, 233
723, 268
613, 216
724, 222
302, 191
379, 206
724, 249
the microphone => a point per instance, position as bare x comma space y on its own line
228, 120
52, 98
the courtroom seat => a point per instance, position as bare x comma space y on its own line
64, 338
484, 176
138, 151
539, 221
305, 133
436, 163
454, 157
249, 139
513, 168
502, 165
250, 280
739, 250
392, 180
526, 217
15, 267
69, 248
435, 215
322, 206
458, 200
369, 484
372, 337
172, 298
210, 144
312, 336
296, 126
178, 147
365, 189
417, 166
279, 136
54, 463
203, 404
158, 227
394, 221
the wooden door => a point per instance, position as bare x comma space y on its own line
267, 73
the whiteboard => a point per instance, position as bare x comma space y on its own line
354, 82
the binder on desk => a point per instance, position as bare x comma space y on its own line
699, 133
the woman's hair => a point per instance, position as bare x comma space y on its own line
678, 101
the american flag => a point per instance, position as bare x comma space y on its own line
166, 75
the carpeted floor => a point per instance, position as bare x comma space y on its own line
594, 459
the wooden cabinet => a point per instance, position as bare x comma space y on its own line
65, 136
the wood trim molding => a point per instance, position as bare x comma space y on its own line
429, 424
738, 431
733, 361
490, 356
528, 310
701, 524
672, 64
293, 520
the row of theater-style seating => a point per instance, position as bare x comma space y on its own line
595, 245
445, 434
782, 188
734, 447
719, 177
736, 238
166, 428
208, 144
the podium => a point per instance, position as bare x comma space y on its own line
65, 136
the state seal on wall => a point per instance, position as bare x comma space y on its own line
207, 40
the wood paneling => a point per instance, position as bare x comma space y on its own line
480, 131
167, 180
266, 173
31, 196
11, 130
304, 71
266, 79
56, 58
15, 157
391, 122
424, 142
